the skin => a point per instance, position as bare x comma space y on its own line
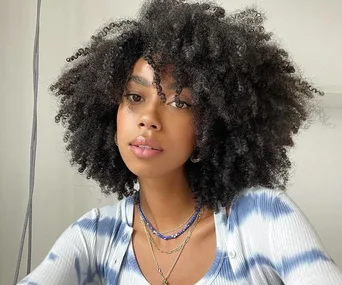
165, 195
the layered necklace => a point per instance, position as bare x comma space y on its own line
190, 224
187, 224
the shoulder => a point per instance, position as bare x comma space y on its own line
259, 204
273, 235
104, 221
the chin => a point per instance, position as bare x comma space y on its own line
144, 171
154, 167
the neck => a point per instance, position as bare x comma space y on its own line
166, 201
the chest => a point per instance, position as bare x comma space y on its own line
185, 267
213, 258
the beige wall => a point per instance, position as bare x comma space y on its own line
309, 29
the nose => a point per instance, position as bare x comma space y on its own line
150, 120
149, 126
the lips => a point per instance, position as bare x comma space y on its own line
144, 148
146, 143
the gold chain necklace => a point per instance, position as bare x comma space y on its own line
165, 277
185, 241
187, 220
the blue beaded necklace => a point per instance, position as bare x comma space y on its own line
164, 237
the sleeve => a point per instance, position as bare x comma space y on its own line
71, 260
299, 257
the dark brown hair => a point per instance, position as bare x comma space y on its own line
249, 99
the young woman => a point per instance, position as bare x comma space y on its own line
197, 108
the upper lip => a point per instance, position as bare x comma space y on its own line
143, 141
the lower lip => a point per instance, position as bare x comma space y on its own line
144, 152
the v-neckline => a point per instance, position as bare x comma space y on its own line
220, 220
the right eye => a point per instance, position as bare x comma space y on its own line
135, 98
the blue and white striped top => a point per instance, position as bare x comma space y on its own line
265, 239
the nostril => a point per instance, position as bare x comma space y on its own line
148, 125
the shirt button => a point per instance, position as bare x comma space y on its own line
232, 254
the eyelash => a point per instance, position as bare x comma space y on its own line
129, 96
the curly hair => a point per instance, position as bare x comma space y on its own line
249, 99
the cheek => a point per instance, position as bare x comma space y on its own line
119, 119
184, 136
123, 119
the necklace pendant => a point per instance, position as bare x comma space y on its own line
165, 282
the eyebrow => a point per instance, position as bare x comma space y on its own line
142, 81
139, 80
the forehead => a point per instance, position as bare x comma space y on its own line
143, 74
142, 69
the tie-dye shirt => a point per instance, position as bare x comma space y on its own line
265, 239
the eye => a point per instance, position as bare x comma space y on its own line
180, 104
135, 98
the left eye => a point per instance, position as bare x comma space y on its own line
180, 104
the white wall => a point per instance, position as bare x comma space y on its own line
309, 29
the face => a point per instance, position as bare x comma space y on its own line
155, 138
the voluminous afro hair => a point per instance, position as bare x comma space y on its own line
249, 99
